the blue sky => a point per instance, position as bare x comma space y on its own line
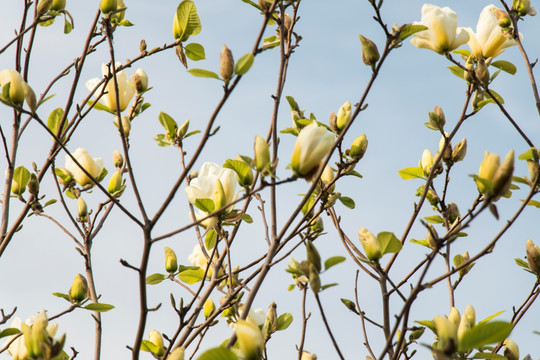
325, 71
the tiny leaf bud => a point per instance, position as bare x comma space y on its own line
481, 71
271, 321
182, 130
313, 256
171, 263
370, 53
33, 185
226, 65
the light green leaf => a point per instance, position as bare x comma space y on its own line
505, 66
155, 278
531, 154
98, 106
195, 51
270, 42
21, 176
427, 323
332, 261
388, 242
434, 219
191, 275
168, 124
520, 180
491, 317
534, 203
53, 122
463, 52
326, 286
486, 355
206, 205
203, 73
218, 353
188, 20
420, 242
252, 4
8, 332
354, 173
349, 304
411, 173
495, 95
67, 26
149, 346
410, 29
99, 307
210, 240
347, 201
456, 70
484, 334
243, 64
162, 140
284, 320
522, 263
247, 218
125, 22
240, 168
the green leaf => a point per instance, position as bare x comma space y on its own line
388, 242
522, 263
99, 307
67, 26
420, 242
427, 323
8, 332
98, 106
203, 73
206, 205
349, 304
347, 201
252, 4
456, 70
240, 168
495, 95
188, 20
191, 133
125, 22
531, 154
270, 42
326, 286
218, 353
484, 334
191, 275
48, 97
210, 240
534, 203
491, 317
168, 124
247, 218
354, 173
520, 180
149, 346
155, 278
434, 219
62, 295
463, 52
21, 176
411, 173
243, 64
195, 51
162, 140
505, 66
486, 355
332, 261
410, 29
53, 122
283, 321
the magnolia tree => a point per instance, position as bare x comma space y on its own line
242, 234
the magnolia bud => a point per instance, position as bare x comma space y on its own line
265, 4
314, 279
126, 124
317, 225
452, 211
328, 176
481, 71
503, 177
226, 65
262, 153
64, 175
155, 338
115, 183
370, 244
463, 327
82, 209
182, 130
460, 259
469, 312
209, 308
503, 19
140, 80
533, 170
287, 22
487, 171
117, 159
142, 46
176, 354
171, 264
533, 256
460, 150
108, 6
511, 350
30, 98
16, 83
308, 356
58, 5
359, 147
33, 185
531, 12
432, 197
43, 7
478, 96
332, 121
36, 338
437, 118
432, 237
271, 321
446, 151
469, 65
454, 316
521, 6
343, 116
79, 289
250, 340
313, 256
370, 54
447, 334
427, 162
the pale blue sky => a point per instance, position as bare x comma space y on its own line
325, 71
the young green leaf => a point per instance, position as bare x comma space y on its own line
221, 353
434, 219
284, 320
456, 70
188, 20
347, 201
53, 122
411, 173
168, 124
505, 66
484, 334
191, 275
349, 304
332, 261
195, 51
99, 307
155, 279
206, 205
203, 73
243, 64
388, 242
8, 332
410, 29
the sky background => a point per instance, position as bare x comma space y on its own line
325, 71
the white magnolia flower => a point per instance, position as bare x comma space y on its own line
17, 349
312, 145
442, 34
489, 40
126, 89
94, 166
215, 183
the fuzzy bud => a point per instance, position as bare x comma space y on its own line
183, 129
481, 71
126, 125
446, 150
452, 211
511, 350
503, 177
459, 151
370, 53
271, 321
117, 159
140, 80
503, 19
226, 64
469, 65
171, 264
533, 170
533, 256
437, 119
209, 308
33, 185
79, 289
313, 256
432, 237
43, 7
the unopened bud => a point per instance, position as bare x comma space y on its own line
478, 96
314, 279
427, 162
79, 289
249, 339
333, 122
209, 308
313, 256
308, 356
469, 65
328, 176
503, 177
220, 198
82, 209
511, 350
33, 185
142, 46
155, 338
65, 177
359, 147
226, 65
461, 259
115, 183
317, 225
460, 150
437, 120
503, 19
265, 4
58, 5
521, 6
531, 12
262, 153
446, 333
126, 125
446, 150
43, 7
343, 116
482, 71
452, 211
176, 354
370, 244
287, 22
108, 6
432, 197
183, 129
140, 80
30, 97
117, 159
432, 237
533, 256
171, 263
533, 170
271, 321
370, 54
